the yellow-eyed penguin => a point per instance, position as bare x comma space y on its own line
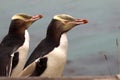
14, 46
49, 57
21, 54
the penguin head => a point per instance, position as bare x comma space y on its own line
68, 22
20, 22
24, 20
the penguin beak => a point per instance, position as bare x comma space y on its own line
79, 21
70, 24
34, 18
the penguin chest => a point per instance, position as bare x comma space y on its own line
22, 52
55, 64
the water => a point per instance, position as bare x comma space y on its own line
87, 43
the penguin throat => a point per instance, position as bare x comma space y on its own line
17, 34
20, 33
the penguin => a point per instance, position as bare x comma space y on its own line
14, 46
49, 57
22, 51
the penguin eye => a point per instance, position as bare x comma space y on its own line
66, 21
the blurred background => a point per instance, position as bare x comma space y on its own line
93, 48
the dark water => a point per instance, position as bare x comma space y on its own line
88, 44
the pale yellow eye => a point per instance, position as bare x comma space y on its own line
66, 22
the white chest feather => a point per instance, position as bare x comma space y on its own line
23, 52
57, 59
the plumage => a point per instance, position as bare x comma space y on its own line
20, 56
11, 43
53, 48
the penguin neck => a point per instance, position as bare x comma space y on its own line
63, 39
17, 31
54, 34
64, 42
